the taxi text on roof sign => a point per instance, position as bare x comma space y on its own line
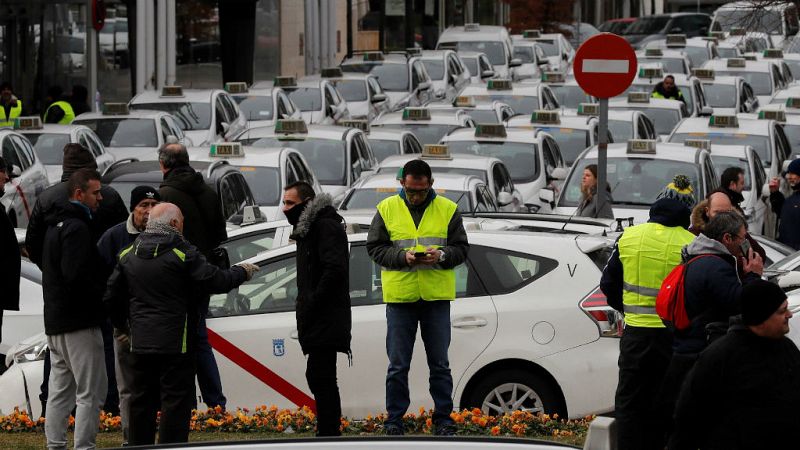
362, 125
653, 52
717, 34
737, 62
737, 31
703, 74
638, 97
464, 101
331, 72
416, 114
115, 109
676, 40
436, 151
793, 102
490, 130
704, 144
553, 77
777, 115
373, 56
642, 146
532, 34
544, 116
291, 126
224, 149
588, 109
236, 87
750, 58
651, 72
773, 53
472, 27
288, 81
172, 91
723, 121
28, 123
499, 84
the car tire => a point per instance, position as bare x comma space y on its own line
518, 390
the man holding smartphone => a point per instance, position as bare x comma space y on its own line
418, 238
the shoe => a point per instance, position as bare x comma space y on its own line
445, 430
392, 430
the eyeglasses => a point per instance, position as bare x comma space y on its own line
417, 191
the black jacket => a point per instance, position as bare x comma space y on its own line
110, 212
115, 239
71, 268
323, 278
9, 265
742, 394
204, 226
158, 289
789, 212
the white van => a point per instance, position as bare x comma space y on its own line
779, 20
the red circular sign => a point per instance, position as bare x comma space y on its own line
605, 65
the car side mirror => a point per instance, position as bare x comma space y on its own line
377, 98
487, 74
504, 198
15, 172
424, 86
225, 127
706, 111
547, 195
515, 62
559, 173
565, 56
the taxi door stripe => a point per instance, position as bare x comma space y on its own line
24, 200
260, 371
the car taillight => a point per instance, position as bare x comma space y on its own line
609, 321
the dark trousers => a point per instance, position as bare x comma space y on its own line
321, 377
433, 318
207, 372
644, 354
166, 381
112, 396
679, 367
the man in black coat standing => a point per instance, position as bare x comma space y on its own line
9, 257
323, 299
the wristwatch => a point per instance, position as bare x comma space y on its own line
441, 255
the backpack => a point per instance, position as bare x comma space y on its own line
670, 301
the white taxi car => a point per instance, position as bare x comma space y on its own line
428, 124
557, 49
665, 114
649, 76
205, 115
566, 89
267, 170
494, 41
27, 177
263, 103
337, 155
317, 98
764, 77
49, 141
626, 125
726, 94
698, 49
572, 134
523, 98
486, 111
401, 75
387, 142
673, 61
132, 134
448, 73
637, 172
365, 97
531, 55
478, 65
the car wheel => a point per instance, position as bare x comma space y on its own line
516, 390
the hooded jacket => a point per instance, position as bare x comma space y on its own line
115, 239
158, 289
204, 226
712, 287
71, 272
699, 223
323, 278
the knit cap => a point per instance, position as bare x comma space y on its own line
77, 157
680, 189
794, 167
760, 299
140, 193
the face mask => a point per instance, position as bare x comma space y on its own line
293, 215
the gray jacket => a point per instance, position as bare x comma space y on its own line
588, 208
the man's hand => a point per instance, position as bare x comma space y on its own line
774, 184
249, 268
411, 260
122, 338
431, 257
753, 263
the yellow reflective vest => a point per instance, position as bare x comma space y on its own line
69, 114
13, 113
417, 282
648, 253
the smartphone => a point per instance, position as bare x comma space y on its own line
420, 255
745, 247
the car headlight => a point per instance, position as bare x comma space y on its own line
33, 351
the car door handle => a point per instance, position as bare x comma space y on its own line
293, 334
470, 322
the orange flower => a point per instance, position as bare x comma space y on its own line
495, 431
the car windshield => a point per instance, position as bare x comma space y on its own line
648, 25
752, 19
123, 132
190, 116
435, 68
697, 55
720, 95
794, 67
793, 134
392, 77
670, 65
325, 156
426, 133
49, 146
633, 181
759, 143
307, 99
525, 54
493, 49
570, 96
255, 107
621, 130
570, 141
472, 66
759, 81
727, 52
549, 46
521, 104
369, 198
265, 182
522, 160
663, 119
352, 90
723, 162
483, 115
383, 149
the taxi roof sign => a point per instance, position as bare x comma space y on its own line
226, 149
373, 56
638, 97
704, 74
362, 125
532, 34
736, 62
28, 123
750, 58
464, 101
642, 146
737, 31
553, 77
413, 51
416, 114
436, 151
545, 116
717, 34
773, 53
472, 27
291, 126
286, 81
115, 109
676, 40
236, 87
588, 109
499, 84
723, 121
490, 130
777, 115
793, 102
172, 91
653, 52
651, 72
703, 144
331, 72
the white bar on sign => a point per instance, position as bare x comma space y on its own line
605, 66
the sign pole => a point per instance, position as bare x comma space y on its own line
602, 152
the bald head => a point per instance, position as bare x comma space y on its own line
718, 202
166, 214
171, 156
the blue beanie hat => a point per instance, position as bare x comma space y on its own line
794, 167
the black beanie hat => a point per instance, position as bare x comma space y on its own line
760, 299
76, 156
140, 193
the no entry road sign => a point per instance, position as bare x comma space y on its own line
605, 65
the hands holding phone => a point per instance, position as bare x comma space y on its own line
427, 258
752, 262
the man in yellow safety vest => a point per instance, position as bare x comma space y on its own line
418, 238
10, 105
60, 110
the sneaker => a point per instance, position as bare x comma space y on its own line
445, 430
392, 430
